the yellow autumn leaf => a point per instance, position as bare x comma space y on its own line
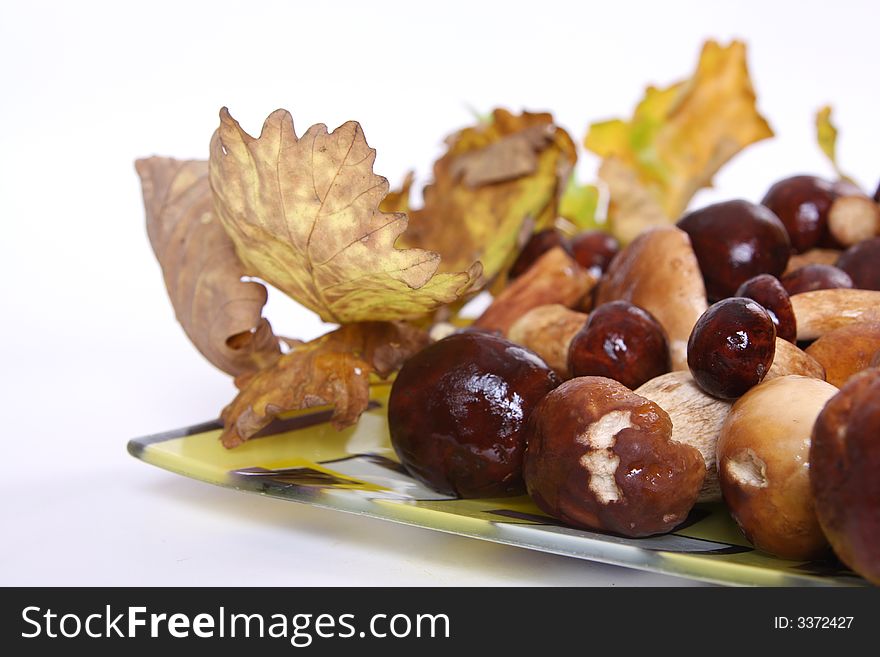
304, 215
678, 138
498, 181
826, 136
580, 205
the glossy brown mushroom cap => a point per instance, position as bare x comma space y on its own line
844, 467
732, 347
457, 412
620, 341
734, 241
600, 457
802, 204
769, 292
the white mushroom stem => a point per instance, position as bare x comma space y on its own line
696, 420
821, 311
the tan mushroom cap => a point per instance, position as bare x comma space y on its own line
763, 465
821, 311
789, 359
846, 350
555, 277
658, 271
548, 331
812, 257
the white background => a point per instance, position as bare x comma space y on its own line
91, 353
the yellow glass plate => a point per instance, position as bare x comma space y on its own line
302, 458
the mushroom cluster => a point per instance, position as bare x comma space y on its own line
734, 356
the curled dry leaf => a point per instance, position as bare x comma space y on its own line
332, 370
497, 181
304, 215
221, 313
678, 138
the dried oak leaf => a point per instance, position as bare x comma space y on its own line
331, 370
497, 181
677, 139
220, 313
304, 215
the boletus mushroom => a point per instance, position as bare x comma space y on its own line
548, 330
555, 277
457, 412
658, 272
846, 350
601, 457
844, 467
622, 342
696, 420
821, 311
769, 292
732, 347
790, 359
764, 465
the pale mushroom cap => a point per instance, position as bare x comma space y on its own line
821, 311
812, 257
763, 464
696, 420
658, 271
846, 350
790, 359
853, 219
548, 331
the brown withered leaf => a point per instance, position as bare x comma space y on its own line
220, 313
331, 370
679, 137
303, 213
497, 181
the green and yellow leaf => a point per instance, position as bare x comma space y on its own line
677, 139
498, 181
304, 215
826, 136
579, 205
